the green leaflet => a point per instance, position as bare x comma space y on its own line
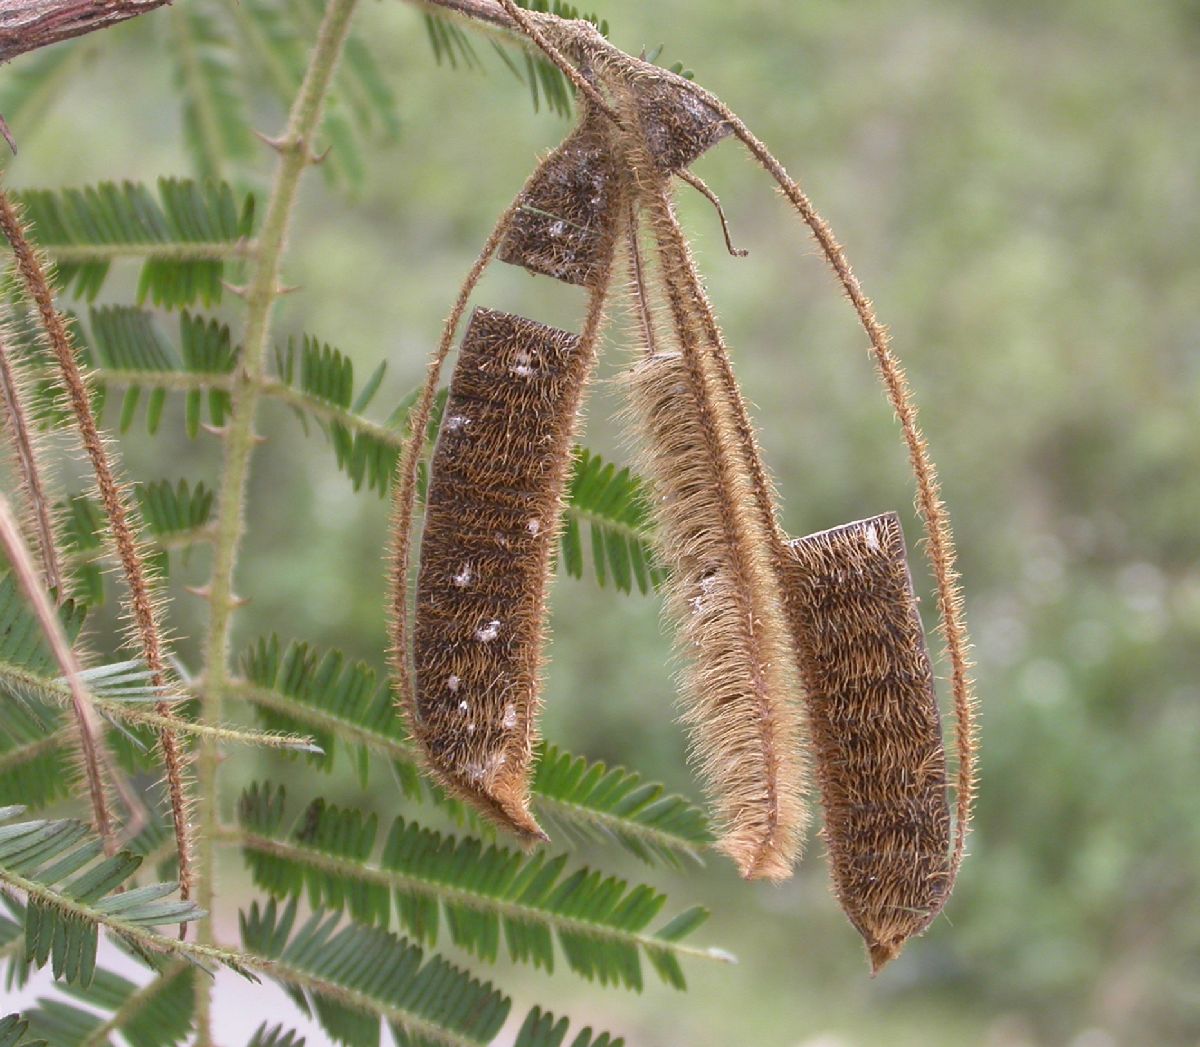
600, 922
71, 888
298, 688
13, 1029
186, 234
349, 978
157, 1014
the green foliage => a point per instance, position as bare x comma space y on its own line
600, 922
611, 503
72, 889
215, 123
297, 688
13, 1031
276, 1036
367, 453
175, 515
348, 979
452, 43
540, 1029
274, 37
158, 1014
186, 235
594, 801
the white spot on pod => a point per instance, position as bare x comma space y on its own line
509, 720
872, 537
558, 228
475, 772
470, 728
522, 365
455, 422
463, 707
534, 526
489, 632
464, 576
452, 683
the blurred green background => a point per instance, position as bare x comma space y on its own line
1018, 187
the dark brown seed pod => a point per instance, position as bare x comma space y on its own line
563, 225
495, 499
677, 125
875, 727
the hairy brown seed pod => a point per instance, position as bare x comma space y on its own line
874, 719
563, 226
495, 494
677, 125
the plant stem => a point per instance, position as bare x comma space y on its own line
295, 153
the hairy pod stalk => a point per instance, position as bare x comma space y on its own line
87, 726
25, 450
120, 514
876, 730
499, 478
740, 683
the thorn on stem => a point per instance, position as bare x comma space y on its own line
7, 134
282, 144
235, 289
319, 158
219, 431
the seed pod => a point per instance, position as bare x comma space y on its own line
563, 226
677, 124
495, 499
875, 726
740, 685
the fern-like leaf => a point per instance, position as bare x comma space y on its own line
275, 1036
297, 688
321, 381
186, 235
350, 978
176, 516
611, 504
13, 1030
158, 1014
542, 1029
546, 83
71, 890
215, 124
600, 922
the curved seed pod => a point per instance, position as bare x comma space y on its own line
495, 494
740, 687
874, 718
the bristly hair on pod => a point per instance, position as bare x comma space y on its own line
739, 681
874, 718
497, 487
36, 511
491, 520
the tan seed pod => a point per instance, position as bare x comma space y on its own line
495, 499
873, 714
740, 689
